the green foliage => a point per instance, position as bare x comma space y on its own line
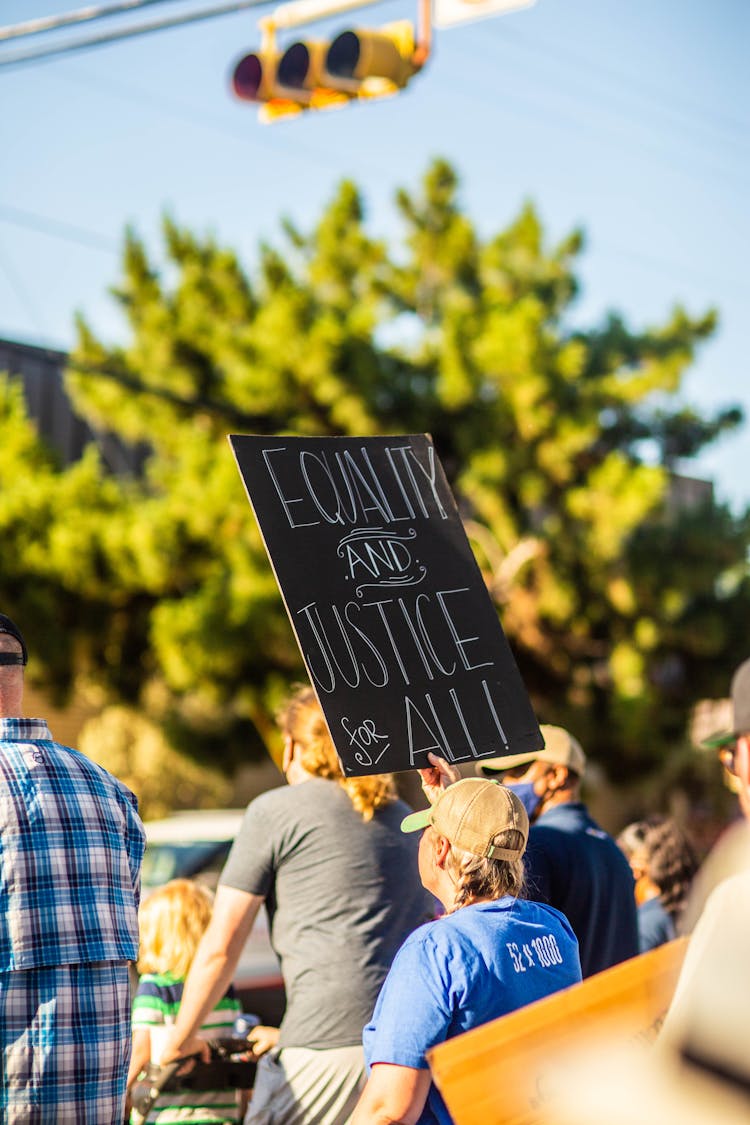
135, 749
560, 443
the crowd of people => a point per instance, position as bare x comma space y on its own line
395, 930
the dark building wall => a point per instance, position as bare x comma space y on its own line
41, 373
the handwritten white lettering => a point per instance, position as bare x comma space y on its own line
347, 488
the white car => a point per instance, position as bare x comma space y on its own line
194, 845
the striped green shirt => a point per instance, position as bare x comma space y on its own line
155, 1008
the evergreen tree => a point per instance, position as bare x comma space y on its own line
561, 445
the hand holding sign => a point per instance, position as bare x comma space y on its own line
437, 776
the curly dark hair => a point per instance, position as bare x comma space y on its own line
672, 862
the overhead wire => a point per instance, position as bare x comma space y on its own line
507, 35
542, 105
21, 58
531, 108
194, 115
19, 290
42, 224
93, 240
44, 24
538, 107
623, 93
643, 89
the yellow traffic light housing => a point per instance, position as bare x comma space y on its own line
301, 70
255, 79
372, 63
310, 74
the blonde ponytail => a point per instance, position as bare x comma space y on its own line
478, 878
302, 720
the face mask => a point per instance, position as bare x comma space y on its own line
524, 790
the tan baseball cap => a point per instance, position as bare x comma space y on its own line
561, 748
472, 814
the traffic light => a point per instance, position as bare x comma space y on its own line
372, 63
254, 80
311, 74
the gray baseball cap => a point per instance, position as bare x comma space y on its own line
740, 692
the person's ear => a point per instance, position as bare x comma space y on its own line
742, 769
639, 864
556, 777
441, 848
288, 753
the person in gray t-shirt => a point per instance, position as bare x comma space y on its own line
342, 890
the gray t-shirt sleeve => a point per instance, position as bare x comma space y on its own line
251, 863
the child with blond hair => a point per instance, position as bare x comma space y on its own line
172, 921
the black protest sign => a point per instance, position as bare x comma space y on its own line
398, 633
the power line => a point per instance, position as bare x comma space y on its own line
532, 108
196, 116
58, 229
22, 295
542, 107
624, 90
646, 91
192, 115
682, 269
537, 109
82, 236
94, 240
20, 58
69, 19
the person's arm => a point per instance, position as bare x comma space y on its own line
402, 1030
141, 1053
212, 969
139, 1058
393, 1095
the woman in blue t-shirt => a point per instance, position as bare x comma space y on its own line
491, 953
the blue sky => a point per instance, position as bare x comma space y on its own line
626, 117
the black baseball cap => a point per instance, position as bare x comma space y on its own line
22, 657
740, 706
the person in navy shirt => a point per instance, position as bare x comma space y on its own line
491, 953
571, 862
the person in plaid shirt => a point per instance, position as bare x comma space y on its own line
71, 845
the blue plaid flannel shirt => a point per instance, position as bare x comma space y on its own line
71, 845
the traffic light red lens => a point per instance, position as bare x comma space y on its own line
247, 78
343, 55
294, 65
